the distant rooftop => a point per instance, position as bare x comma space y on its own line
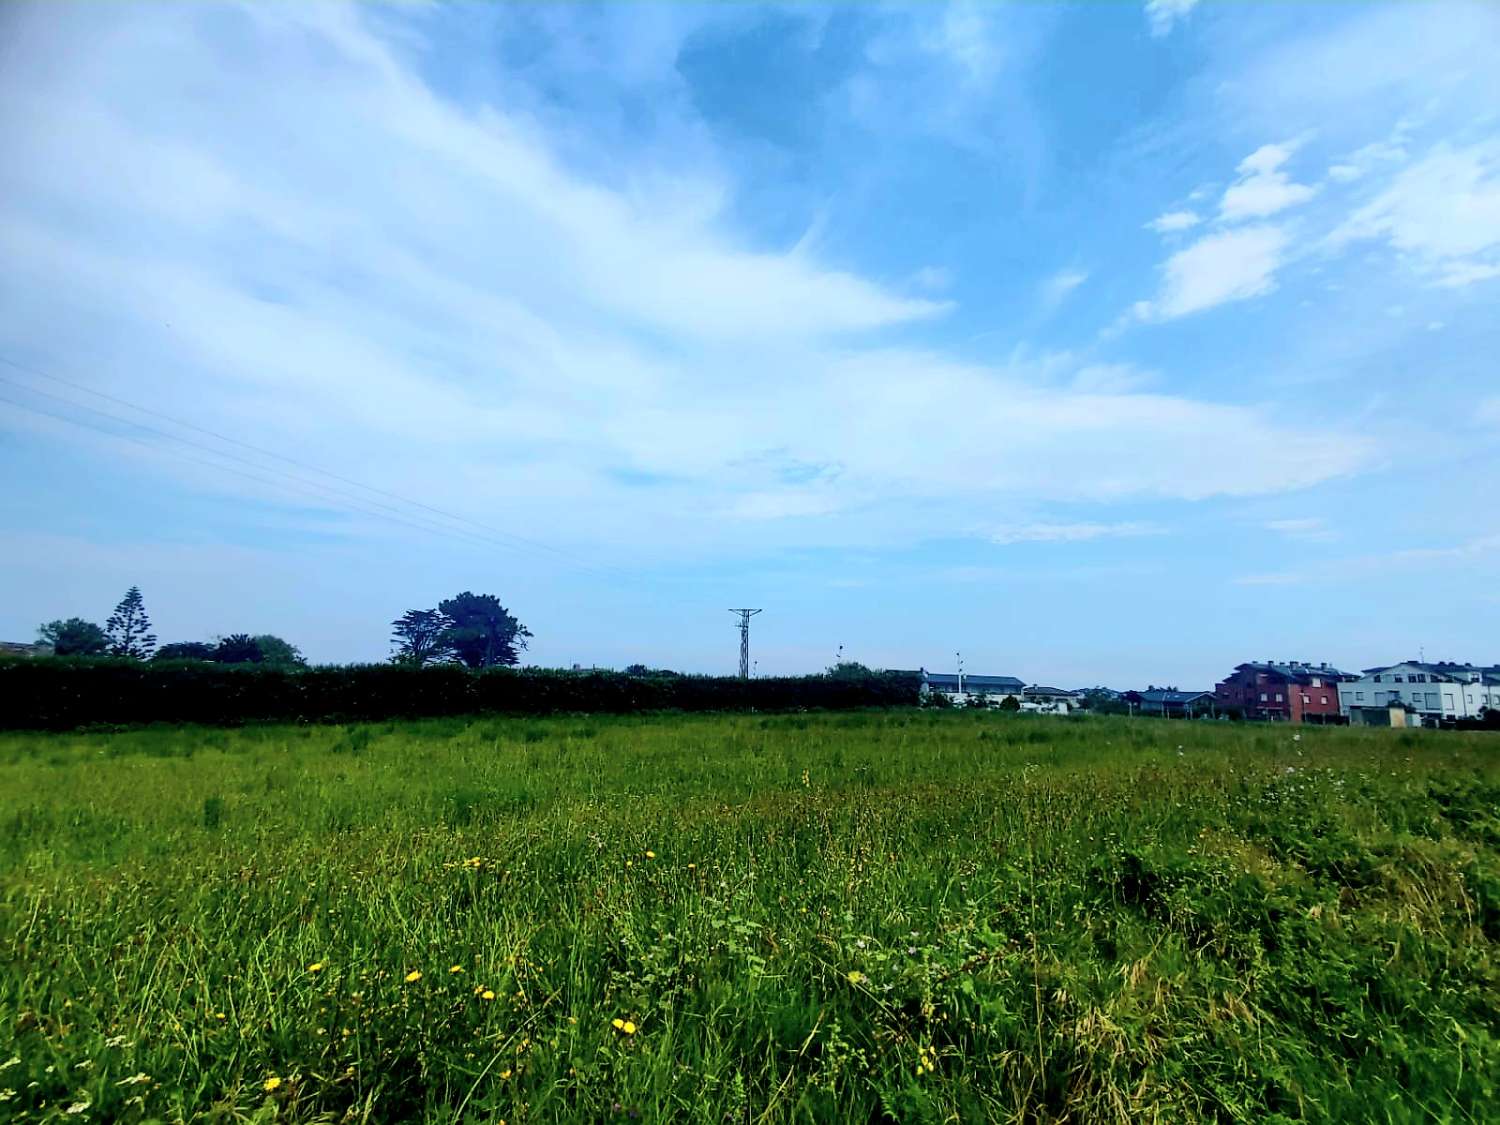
1172, 695
948, 681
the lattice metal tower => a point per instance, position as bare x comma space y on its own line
745, 616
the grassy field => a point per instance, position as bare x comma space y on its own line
906, 916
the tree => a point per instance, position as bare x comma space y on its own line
185, 650
279, 653
238, 648
129, 629
73, 637
484, 633
421, 637
848, 670
1010, 703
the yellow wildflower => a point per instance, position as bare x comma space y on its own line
315, 967
856, 977
618, 1023
487, 994
455, 968
504, 1074
414, 976
650, 855
270, 1084
629, 1028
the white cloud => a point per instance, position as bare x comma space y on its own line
934, 279
1163, 14
1056, 288
1363, 161
1479, 548
1443, 210
1071, 532
1307, 528
1263, 188
1174, 221
1232, 265
428, 297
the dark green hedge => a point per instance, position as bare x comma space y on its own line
59, 693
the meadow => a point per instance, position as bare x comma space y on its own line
866, 916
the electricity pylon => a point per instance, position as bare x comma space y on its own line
745, 616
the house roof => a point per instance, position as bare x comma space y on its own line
1457, 673
1060, 693
948, 681
1165, 695
1295, 671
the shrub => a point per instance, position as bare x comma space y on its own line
55, 694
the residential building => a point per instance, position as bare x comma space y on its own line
1050, 700
962, 688
1283, 691
1436, 691
1170, 703
24, 648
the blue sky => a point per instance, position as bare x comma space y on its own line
1107, 343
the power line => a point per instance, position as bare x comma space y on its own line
513, 539
465, 536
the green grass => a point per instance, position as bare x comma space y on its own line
906, 916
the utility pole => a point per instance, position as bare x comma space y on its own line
745, 616
960, 657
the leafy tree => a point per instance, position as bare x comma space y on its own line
1010, 703
279, 653
645, 670
484, 633
848, 670
238, 648
421, 637
185, 650
129, 629
73, 637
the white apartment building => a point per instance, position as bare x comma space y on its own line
1435, 691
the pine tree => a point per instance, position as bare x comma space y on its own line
129, 629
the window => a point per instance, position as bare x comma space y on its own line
1398, 680
1377, 679
1317, 683
1447, 699
1263, 697
1323, 699
1308, 699
1278, 697
1359, 696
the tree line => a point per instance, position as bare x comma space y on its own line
470, 629
127, 633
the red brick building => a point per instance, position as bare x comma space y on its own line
1282, 692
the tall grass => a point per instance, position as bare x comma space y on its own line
865, 916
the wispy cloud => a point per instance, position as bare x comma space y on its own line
1056, 288
1071, 532
1381, 562
1443, 211
1163, 15
1174, 221
1307, 528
